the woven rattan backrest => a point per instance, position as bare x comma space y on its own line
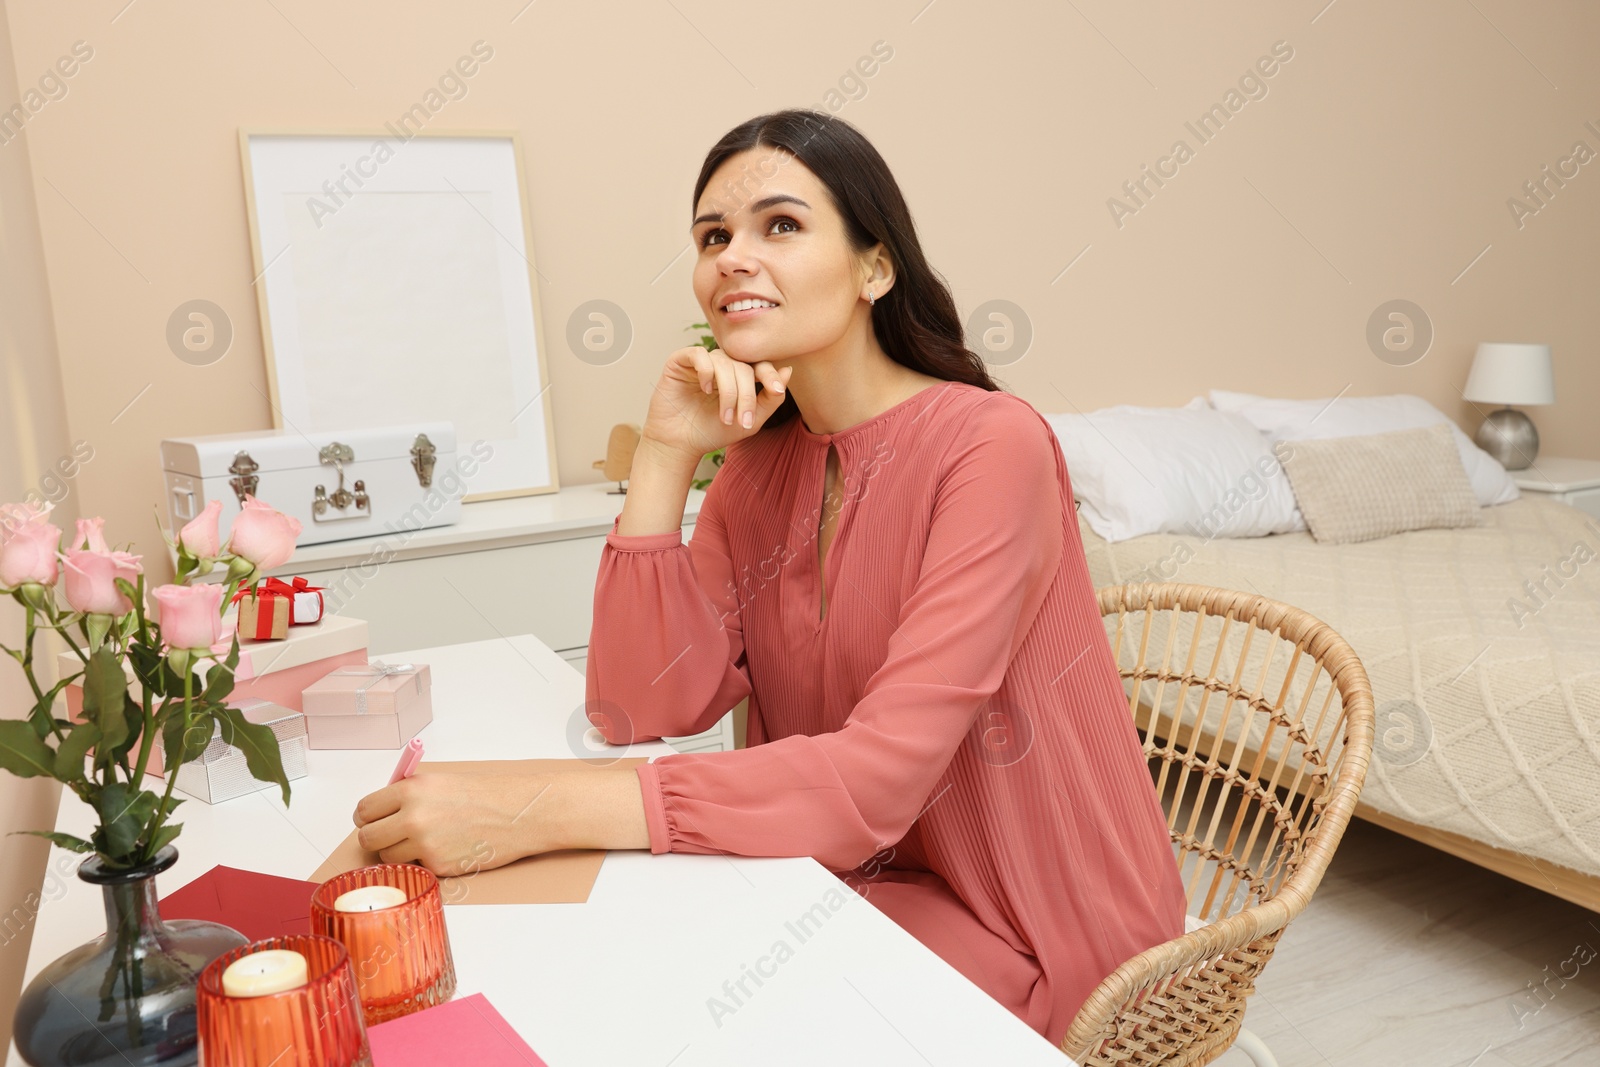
1257, 724
1243, 728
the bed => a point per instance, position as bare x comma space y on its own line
1483, 648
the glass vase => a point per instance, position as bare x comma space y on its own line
128, 997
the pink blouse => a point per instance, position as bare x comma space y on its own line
953, 731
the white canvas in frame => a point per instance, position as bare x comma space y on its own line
395, 285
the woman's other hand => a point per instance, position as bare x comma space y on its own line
708, 400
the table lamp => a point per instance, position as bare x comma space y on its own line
1510, 374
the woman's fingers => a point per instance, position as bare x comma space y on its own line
703, 368
728, 395
745, 402
377, 805
404, 852
381, 834
769, 375
739, 404
727, 387
772, 397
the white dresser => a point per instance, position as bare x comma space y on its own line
514, 566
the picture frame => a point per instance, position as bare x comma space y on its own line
396, 282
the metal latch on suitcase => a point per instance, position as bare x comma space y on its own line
423, 456
341, 498
244, 470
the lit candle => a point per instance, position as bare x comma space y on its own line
371, 898
260, 973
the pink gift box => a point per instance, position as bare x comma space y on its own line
274, 671
370, 705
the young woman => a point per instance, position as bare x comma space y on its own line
888, 565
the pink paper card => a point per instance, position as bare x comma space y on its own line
464, 1030
259, 906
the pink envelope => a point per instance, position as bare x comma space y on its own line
464, 1030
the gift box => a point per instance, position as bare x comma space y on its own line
221, 771
374, 705
262, 618
304, 599
277, 672
267, 612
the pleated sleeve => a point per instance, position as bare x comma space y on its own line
994, 546
666, 652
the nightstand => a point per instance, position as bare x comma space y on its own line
1571, 481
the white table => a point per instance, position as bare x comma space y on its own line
622, 980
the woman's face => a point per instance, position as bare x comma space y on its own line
766, 226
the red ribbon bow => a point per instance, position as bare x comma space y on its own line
279, 587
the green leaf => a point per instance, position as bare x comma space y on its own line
105, 688
147, 664
23, 752
173, 682
259, 745
163, 837
133, 715
71, 753
41, 716
219, 681
181, 746
66, 841
123, 814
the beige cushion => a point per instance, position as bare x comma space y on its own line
1374, 485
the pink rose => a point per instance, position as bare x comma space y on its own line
190, 616
91, 581
15, 516
28, 554
199, 535
93, 531
263, 535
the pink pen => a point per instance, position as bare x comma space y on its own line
410, 756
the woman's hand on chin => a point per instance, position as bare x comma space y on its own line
457, 822
704, 399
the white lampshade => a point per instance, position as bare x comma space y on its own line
1511, 374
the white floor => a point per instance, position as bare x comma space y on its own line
1407, 957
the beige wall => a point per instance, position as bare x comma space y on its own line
1377, 166
33, 437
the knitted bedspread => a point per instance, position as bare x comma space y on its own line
1483, 648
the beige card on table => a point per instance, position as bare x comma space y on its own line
563, 877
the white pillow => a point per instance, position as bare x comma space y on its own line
1190, 470
1351, 416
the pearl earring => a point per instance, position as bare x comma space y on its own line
872, 301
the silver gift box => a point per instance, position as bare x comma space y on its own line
221, 773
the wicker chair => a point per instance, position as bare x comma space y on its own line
1257, 721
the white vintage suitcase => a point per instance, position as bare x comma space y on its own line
343, 484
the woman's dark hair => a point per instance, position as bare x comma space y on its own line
915, 322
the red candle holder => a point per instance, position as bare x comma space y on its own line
319, 1024
401, 954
